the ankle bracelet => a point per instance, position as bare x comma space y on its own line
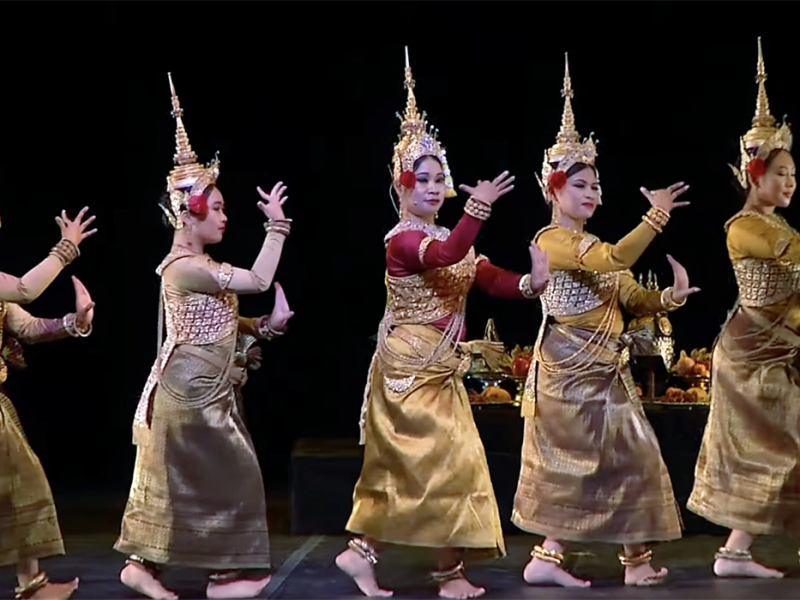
456, 572
364, 550
733, 554
33, 586
635, 560
551, 556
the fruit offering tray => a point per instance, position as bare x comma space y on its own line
491, 387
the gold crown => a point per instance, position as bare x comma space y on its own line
417, 139
764, 136
568, 148
188, 177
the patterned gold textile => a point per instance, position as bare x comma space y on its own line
425, 480
197, 497
747, 475
591, 464
28, 521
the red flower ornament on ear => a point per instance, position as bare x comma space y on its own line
557, 180
756, 167
198, 205
408, 179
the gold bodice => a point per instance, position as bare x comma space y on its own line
574, 292
763, 282
431, 295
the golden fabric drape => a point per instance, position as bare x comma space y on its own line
591, 464
747, 475
425, 480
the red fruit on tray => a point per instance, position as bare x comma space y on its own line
521, 365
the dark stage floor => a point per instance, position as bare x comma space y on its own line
304, 565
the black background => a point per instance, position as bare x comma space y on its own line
307, 93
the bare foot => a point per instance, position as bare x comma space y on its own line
724, 567
459, 588
142, 581
540, 572
644, 575
56, 591
362, 573
237, 588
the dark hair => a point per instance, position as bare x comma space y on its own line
578, 167
164, 202
422, 158
745, 191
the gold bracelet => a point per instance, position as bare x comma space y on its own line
653, 226
65, 251
266, 331
280, 226
478, 209
70, 324
657, 218
668, 302
525, 287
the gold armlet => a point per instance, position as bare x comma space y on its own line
657, 218
525, 287
65, 251
476, 208
668, 302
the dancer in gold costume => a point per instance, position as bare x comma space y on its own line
197, 497
425, 481
747, 476
591, 464
29, 529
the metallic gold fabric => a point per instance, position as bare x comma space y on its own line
28, 522
425, 480
197, 497
747, 475
574, 292
432, 294
591, 464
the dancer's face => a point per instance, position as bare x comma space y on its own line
427, 196
580, 196
210, 229
778, 184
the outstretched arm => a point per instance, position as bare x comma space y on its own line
509, 285
31, 285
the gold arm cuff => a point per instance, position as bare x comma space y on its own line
668, 302
476, 208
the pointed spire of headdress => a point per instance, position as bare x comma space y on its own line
567, 133
411, 117
184, 155
763, 121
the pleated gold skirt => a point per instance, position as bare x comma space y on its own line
425, 480
197, 497
591, 464
748, 473
28, 522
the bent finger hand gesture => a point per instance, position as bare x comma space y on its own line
489, 191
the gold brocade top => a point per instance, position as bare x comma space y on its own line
190, 318
588, 275
765, 254
430, 295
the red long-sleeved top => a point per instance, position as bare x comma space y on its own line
402, 260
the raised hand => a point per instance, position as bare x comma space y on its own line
281, 313
680, 289
84, 307
489, 191
665, 199
75, 231
273, 209
540, 269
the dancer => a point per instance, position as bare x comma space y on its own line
425, 480
591, 464
197, 497
747, 476
29, 529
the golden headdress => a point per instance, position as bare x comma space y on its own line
188, 178
568, 148
764, 136
417, 139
